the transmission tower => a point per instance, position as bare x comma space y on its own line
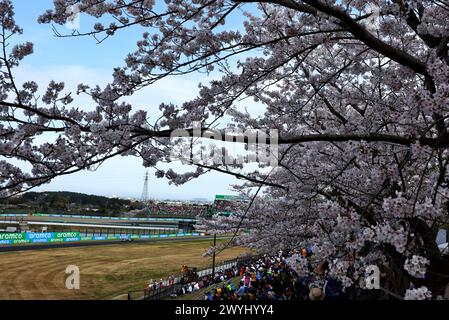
144, 198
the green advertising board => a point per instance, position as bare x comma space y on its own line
60, 237
12, 236
229, 198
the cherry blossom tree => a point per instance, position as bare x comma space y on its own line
358, 91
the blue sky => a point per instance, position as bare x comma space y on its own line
75, 60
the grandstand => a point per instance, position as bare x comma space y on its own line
223, 205
176, 208
226, 205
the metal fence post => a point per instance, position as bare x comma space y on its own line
213, 256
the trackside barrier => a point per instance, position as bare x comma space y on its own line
51, 237
13, 215
111, 218
95, 217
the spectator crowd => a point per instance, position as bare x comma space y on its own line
181, 209
284, 276
226, 206
205, 282
277, 278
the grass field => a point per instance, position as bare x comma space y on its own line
106, 271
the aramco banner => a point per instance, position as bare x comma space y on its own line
50, 237
32, 237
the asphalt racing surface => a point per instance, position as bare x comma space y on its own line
12, 248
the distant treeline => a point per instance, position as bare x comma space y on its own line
67, 202
73, 197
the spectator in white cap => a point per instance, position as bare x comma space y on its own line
316, 294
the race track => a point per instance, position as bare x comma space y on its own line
13, 248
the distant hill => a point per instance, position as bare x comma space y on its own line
69, 202
73, 197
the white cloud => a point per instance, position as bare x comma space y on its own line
171, 89
123, 176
